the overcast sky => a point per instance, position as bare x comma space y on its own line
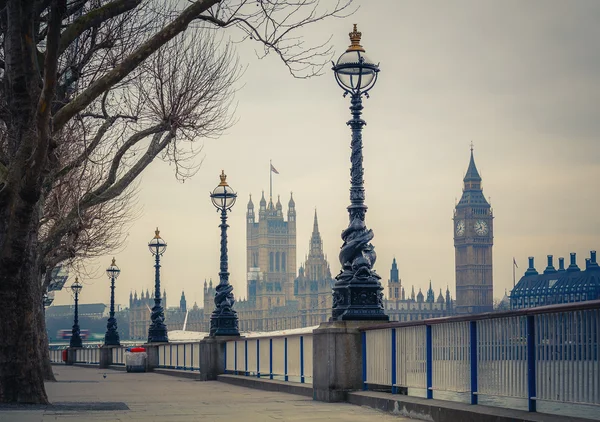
519, 79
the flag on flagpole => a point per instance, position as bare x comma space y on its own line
515, 262
274, 170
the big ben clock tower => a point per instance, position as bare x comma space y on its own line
473, 241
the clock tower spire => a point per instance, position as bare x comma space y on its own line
473, 242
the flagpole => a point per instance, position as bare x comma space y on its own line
513, 273
271, 179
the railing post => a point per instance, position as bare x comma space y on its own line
246, 357
473, 348
429, 361
531, 378
257, 358
171, 356
302, 359
224, 359
394, 388
364, 360
271, 358
235, 368
184, 367
285, 359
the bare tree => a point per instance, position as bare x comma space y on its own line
87, 98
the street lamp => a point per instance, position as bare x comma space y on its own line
76, 337
224, 321
157, 333
111, 338
357, 293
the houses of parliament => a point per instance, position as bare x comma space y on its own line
280, 296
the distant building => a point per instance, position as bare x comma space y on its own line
412, 308
90, 310
553, 286
473, 242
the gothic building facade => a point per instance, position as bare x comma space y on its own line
473, 242
401, 307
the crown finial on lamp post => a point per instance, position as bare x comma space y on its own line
223, 177
355, 37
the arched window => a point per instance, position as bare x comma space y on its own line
271, 263
283, 266
277, 261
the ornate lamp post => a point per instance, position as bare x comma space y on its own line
157, 333
76, 335
224, 321
111, 338
357, 293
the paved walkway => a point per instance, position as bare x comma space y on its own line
84, 394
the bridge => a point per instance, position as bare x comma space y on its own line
537, 364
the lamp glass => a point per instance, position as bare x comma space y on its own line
223, 197
157, 246
113, 271
355, 65
76, 287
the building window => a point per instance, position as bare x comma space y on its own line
283, 266
277, 261
271, 261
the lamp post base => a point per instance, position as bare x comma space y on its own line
158, 334
111, 338
358, 302
224, 325
75, 342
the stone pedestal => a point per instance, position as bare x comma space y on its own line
106, 356
151, 356
337, 359
212, 356
72, 355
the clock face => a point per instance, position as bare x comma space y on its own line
460, 228
481, 228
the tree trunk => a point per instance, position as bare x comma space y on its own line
21, 358
45, 348
21, 315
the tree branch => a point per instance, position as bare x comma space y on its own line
88, 151
128, 64
93, 18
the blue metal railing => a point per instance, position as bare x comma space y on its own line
182, 356
541, 356
283, 357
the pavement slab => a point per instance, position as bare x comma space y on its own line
95, 395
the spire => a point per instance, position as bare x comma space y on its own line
278, 206
291, 204
316, 244
472, 195
472, 173
250, 203
263, 202
440, 298
430, 294
420, 296
394, 277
